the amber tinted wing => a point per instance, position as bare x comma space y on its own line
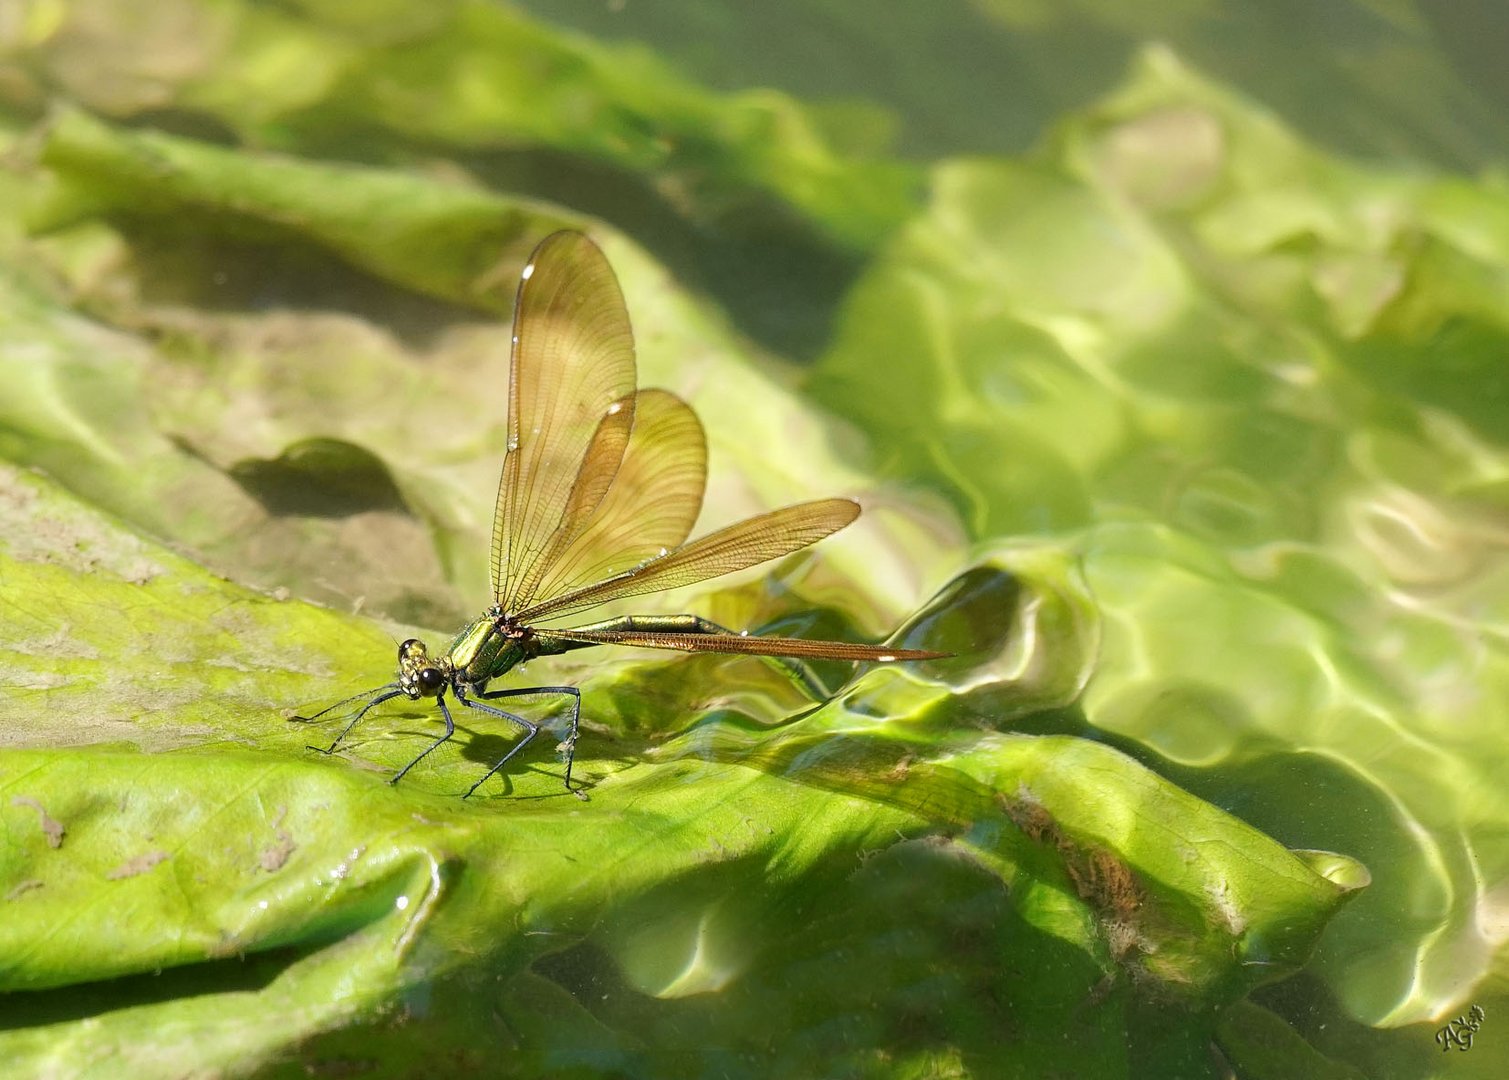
744, 544
654, 500
600, 466
737, 643
570, 410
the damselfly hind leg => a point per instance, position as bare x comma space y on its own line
532, 729
574, 725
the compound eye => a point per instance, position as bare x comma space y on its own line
407, 647
430, 679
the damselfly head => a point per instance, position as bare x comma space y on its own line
419, 675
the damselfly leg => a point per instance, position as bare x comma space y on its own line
450, 729
378, 695
532, 729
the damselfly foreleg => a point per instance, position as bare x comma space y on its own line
450, 729
384, 693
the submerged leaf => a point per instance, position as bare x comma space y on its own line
204, 841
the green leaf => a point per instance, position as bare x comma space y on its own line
446, 240
1219, 411
475, 79
166, 818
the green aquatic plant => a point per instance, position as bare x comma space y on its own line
1183, 433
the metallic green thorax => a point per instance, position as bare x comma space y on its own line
487, 647
477, 650
492, 644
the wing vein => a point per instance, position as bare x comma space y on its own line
744, 544
738, 644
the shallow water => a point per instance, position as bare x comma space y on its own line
1164, 350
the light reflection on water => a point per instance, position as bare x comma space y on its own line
1183, 380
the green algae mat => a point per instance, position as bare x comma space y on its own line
1184, 432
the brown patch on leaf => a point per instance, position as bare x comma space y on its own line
23, 887
1107, 882
274, 855
67, 536
1100, 877
139, 865
51, 828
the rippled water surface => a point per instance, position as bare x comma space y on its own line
1165, 349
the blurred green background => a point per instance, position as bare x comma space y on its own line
1164, 344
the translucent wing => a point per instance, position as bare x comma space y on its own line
570, 410
654, 500
736, 643
602, 462
747, 543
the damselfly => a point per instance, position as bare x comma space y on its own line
601, 484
